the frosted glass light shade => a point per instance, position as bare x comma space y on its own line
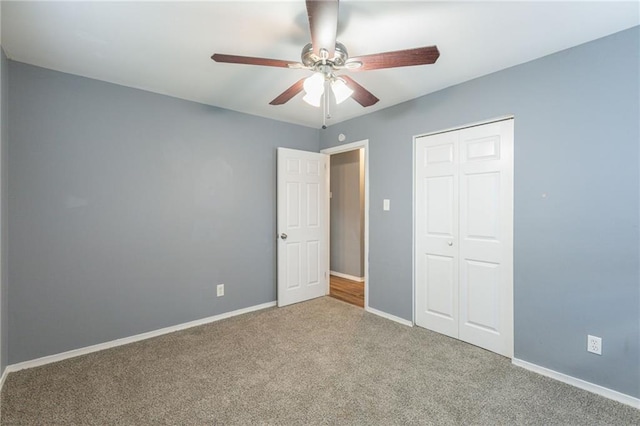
315, 84
314, 87
313, 99
340, 90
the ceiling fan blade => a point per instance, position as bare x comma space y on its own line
398, 58
285, 96
360, 94
248, 60
323, 23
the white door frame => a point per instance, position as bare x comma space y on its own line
413, 235
337, 150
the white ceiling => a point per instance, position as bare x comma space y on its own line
165, 47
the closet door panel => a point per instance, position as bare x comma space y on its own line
485, 247
436, 261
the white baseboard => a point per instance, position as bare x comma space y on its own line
389, 316
347, 276
126, 340
579, 383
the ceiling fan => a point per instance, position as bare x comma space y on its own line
325, 56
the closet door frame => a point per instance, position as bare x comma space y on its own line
509, 238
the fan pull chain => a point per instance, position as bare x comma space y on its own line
326, 115
324, 111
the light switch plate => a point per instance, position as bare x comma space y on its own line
386, 204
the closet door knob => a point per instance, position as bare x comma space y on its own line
450, 243
283, 236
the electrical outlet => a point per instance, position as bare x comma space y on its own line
594, 344
220, 290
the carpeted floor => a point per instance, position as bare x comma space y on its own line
318, 362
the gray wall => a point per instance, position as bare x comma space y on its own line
576, 251
126, 208
346, 215
4, 140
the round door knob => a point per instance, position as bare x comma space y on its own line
283, 236
450, 243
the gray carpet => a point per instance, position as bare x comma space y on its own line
318, 362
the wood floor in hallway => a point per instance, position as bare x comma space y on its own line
347, 290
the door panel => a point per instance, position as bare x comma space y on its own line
482, 202
440, 298
439, 200
479, 295
486, 227
439, 154
293, 263
313, 205
436, 229
302, 226
482, 149
293, 205
313, 262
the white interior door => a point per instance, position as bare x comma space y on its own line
474, 270
302, 216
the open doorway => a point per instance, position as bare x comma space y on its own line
348, 211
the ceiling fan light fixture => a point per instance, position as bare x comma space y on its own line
325, 56
340, 90
314, 88
314, 85
313, 100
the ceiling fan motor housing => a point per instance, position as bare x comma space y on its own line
311, 60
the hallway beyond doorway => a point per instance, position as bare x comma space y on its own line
347, 290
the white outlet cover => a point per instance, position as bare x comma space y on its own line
594, 344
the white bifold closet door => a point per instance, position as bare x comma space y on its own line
464, 235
